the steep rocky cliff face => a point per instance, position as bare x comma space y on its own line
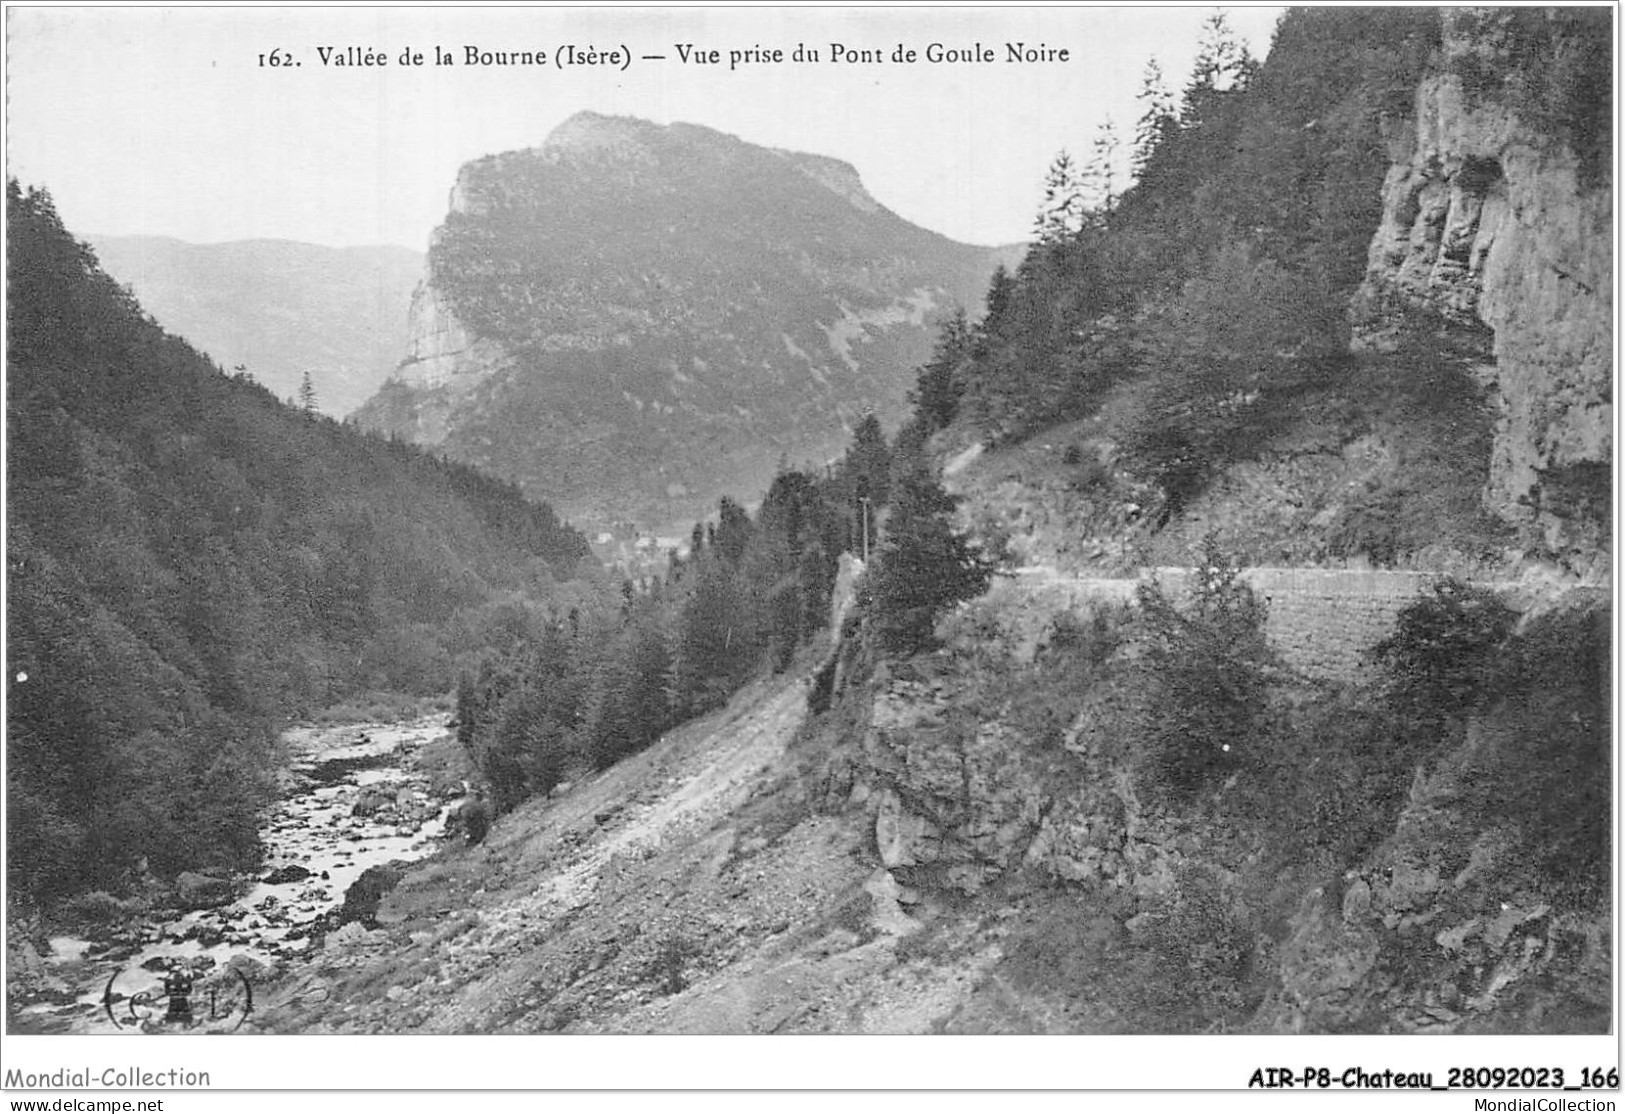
1476, 903
633, 319
1494, 219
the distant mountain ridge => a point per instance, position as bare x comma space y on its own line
279, 308
633, 319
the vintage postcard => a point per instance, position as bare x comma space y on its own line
1077, 533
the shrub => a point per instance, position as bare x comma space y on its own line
96, 907
1546, 762
475, 820
1189, 965
1369, 525
1438, 660
1329, 789
1207, 669
1202, 953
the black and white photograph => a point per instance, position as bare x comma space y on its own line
958, 522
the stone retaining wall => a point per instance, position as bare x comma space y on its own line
1321, 621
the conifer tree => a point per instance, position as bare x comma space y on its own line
713, 643
938, 391
996, 317
924, 565
627, 709
1099, 181
1157, 121
1223, 63
733, 531
868, 462
1208, 667
1060, 214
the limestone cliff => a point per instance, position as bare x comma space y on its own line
1490, 219
442, 366
633, 319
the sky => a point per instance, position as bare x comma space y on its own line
174, 122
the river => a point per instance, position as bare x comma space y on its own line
354, 796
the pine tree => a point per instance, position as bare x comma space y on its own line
868, 462
713, 641
1099, 180
307, 394
1223, 64
996, 319
627, 708
924, 565
1209, 668
939, 388
733, 531
1157, 121
1060, 214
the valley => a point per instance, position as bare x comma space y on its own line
1196, 621
353, 797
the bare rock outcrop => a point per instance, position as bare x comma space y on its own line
951, 806
1488, 220
441, 352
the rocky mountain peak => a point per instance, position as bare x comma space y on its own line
593, 133
636, 318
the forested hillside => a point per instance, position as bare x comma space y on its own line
190, 560
1229, 307
1235, 250
605, 682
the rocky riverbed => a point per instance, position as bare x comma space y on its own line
355, 796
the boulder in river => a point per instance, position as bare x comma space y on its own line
374, 799
284, 875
